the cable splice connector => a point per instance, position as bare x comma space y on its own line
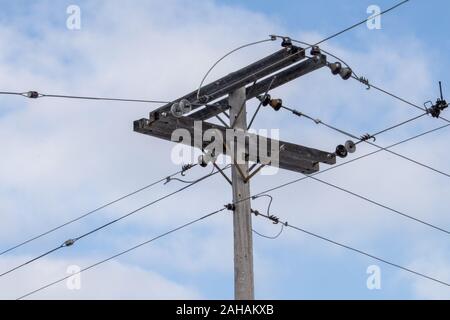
69, 243
267, 100
32, 94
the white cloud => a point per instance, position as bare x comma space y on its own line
112, 280
61, 157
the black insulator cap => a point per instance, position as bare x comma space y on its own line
341, 151
335, 67
265, 100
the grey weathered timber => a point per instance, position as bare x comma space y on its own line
231, 93
242, 77
292, 157
244, 288
279, 79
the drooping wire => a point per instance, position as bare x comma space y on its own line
256, 213
361, 252
71, 242
225, 56
123, 252
267, 196
185, 168
270, 237
366, 138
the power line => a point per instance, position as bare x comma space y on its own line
361, 139
124, 252
397, 97
37, 95
273, 37
361, 252
363, 80
71, 242
273, 219
368, 200
185, 168
381, 205
361, 22
367, 137
350, 161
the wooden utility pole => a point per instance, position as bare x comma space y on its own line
242, 219
211, 101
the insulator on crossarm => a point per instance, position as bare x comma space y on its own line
181, 108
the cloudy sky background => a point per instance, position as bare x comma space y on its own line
60, 158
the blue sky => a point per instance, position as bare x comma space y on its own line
63, 158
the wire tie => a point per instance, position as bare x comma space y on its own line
367, 137
365, 81
297, 113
